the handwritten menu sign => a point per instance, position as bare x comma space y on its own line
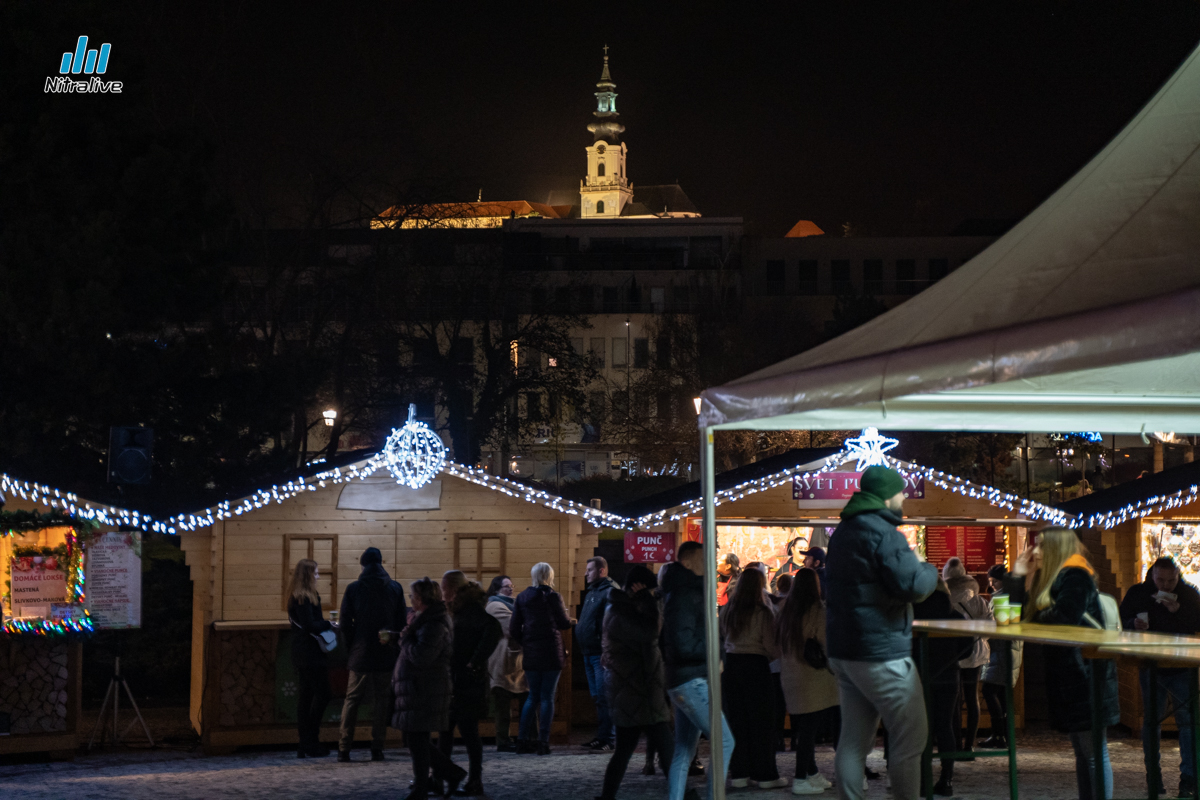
37, 581
842, 485
643, 547
974, 544
114, 581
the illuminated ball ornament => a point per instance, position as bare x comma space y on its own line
414, 454
869, 448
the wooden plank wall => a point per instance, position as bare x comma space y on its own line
246, 555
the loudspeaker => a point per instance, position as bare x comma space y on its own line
130, 454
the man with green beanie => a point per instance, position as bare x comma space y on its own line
874, 578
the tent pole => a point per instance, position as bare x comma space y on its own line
715, 719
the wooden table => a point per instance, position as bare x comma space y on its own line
1152, 649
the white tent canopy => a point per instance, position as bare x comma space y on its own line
1084, 315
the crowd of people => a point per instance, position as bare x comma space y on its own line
827, 644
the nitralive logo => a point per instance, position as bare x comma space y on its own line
87, 62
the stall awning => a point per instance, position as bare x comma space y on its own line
1082, 316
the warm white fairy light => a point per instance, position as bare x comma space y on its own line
414, 454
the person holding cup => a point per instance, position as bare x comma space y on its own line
1165, 603
992, 681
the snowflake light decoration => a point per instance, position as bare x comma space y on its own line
414, 454
869, 448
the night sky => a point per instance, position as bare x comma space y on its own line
903, 118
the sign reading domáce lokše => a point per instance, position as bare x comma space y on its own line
37, 582
114, 581
645, 547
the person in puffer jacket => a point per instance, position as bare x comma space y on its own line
537, 623
637, 692
874, 578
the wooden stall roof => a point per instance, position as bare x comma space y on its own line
1153, 494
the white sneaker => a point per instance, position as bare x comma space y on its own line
806, 786
739, 783
778, 783
817, 779
866, 783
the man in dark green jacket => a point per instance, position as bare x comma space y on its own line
874, 578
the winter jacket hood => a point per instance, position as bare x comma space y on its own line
505, 666
874, 577
861, 503
589, 631
683, 636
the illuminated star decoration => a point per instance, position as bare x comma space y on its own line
414, 454
869, 448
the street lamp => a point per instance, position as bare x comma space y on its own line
330, 415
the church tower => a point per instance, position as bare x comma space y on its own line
606, 189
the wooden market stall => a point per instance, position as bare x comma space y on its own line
242, 679
794, 500
1126, 528
41, 652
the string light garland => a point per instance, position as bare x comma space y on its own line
869, 445
414, 454
1142, 508
50, 627
17, 524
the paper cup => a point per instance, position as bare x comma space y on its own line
1014, 613
1001, 614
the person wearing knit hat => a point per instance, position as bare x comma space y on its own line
873, 579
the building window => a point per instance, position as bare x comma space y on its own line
776, 280
600, 172
620, 406
611, 302
681, 298
873, 276
596, 350
597, 404
906, 276
586, 299
662, 351
808, 276
321, 549
599, 206
480, 556
658, 299
641, 353
938, 268
620, 352
533, 407
839, 273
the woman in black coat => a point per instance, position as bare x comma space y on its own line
310, 661
1055, 585
637, 690
537, 623
422, 685
476, 634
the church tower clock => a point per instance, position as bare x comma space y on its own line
606, 189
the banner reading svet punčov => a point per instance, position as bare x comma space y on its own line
842, 485
114, 581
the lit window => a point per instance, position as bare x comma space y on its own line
552, 361
514, 349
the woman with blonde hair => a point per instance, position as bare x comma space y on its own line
538, 620
1055, 585
309, 660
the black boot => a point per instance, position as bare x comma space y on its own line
376, 755
1187, 786
343, 756
457, 776
472, 788
945, 785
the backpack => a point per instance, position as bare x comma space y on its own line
980, 649
1109, 610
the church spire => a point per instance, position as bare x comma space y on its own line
607, 127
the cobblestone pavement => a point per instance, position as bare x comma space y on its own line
1046, 771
